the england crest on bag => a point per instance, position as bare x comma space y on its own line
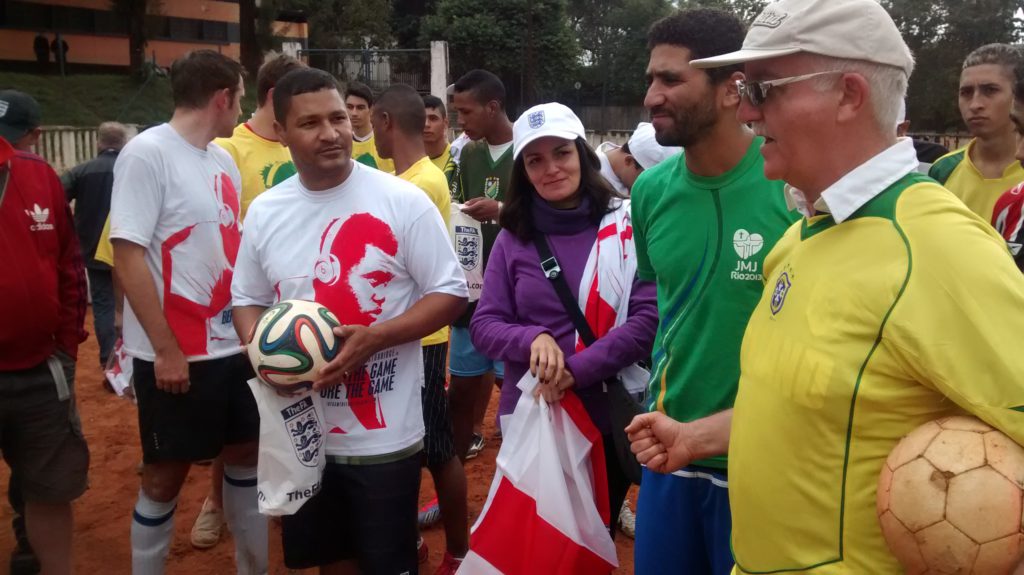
469, 248
292, 454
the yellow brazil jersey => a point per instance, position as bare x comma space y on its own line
442, 160
365, 152
431, 180
866, 330
263, 163
104, 249
959, 175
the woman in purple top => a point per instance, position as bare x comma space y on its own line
556, 190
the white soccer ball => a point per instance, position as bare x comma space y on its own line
291, 341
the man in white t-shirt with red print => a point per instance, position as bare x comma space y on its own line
374, 250
175, 231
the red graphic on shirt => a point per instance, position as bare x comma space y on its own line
350, 279
189, 319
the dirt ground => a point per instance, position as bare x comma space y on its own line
102, 515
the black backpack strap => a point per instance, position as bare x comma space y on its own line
552, 271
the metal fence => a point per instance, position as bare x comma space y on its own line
378, 69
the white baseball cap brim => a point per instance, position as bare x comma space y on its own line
742, 56
520, 146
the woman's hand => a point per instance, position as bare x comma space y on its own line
555, 391
547, 362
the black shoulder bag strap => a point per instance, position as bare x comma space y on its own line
549, 265
623, 407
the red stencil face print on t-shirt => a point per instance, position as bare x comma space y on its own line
207, 278
351, 278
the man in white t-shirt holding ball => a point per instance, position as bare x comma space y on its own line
374, 250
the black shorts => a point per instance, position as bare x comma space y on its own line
217, 410
363, 513
439, 441
41, 435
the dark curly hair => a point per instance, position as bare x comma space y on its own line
705, 32
516, 215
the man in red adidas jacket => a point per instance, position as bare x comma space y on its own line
42, 311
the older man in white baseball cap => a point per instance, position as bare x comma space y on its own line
888, 306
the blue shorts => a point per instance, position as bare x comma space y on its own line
466, 361
683, 523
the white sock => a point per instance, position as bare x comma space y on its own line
152, 531
248, 527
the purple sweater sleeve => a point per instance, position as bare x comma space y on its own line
494, 328
621, 346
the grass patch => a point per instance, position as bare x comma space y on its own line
88, 99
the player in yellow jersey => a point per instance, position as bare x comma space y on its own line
359, 102
435, 136
889, 304
981, 171
398, 118
263, 161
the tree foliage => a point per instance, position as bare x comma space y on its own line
613, 42
527, 43
347, 23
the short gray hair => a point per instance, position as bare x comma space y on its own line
1001, 54
888, 85
111, 135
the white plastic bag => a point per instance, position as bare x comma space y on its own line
118, 370
292, 452
548, 503
468, 241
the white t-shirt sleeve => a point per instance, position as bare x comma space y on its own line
137, 197
250, 284
431, 258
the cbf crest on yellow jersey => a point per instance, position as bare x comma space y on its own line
263, 163
905, 312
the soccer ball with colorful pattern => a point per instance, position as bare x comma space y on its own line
949, 499
290, 342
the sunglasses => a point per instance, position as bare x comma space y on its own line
757, 92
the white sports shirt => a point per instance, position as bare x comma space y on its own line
181, 203
368, 250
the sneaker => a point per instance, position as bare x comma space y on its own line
422, 552
449, 565
627, 521
475, 446
429, 514
207, 529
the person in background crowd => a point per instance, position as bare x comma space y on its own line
622, 165
1008, 213
485, 166
435, 137
557, 192
704, 222
398, 125
263, 162
89, 185
175, 228
43, 302
985, 168
359, 101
